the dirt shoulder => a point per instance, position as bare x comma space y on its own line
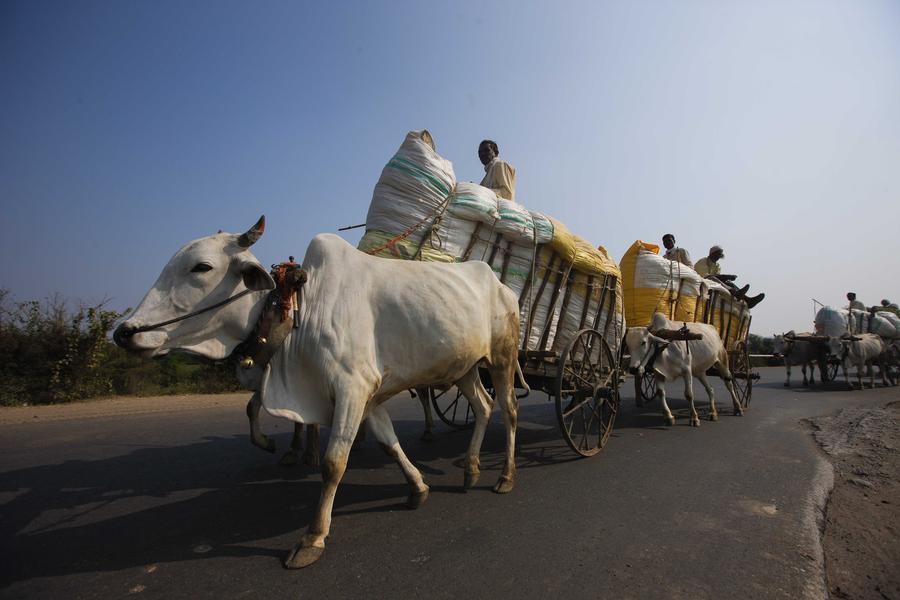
862, 522
118, 406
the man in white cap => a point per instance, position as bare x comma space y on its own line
709, 267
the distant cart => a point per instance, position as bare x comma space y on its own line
731, 317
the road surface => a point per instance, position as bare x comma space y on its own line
172, 501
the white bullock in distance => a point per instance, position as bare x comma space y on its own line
796, 352
369, 329
861, 350
670, 360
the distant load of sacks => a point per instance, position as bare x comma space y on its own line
419, 210
836, 322
653, 283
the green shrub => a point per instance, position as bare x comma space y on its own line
50, 354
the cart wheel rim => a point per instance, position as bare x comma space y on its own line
587, 392
452, 407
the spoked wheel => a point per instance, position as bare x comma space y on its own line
645, 387
452, 407
587, 392
739, 363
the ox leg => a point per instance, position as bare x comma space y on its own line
812, 372
803, 370
383, 430
311, 457
725, 373
846, 376
713, 411
661, 395
259, 439
506, 395
481, 403
345, 424
689, 396
292, 456
424, 397
787, 370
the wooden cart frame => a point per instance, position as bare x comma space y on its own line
581, 377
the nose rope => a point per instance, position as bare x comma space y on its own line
144, 328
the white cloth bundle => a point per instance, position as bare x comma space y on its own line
474, 202
413, 188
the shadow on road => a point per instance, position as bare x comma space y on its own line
83, 516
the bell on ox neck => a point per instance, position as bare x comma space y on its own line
247, 363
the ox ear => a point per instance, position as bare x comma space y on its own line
250, 237
256, 278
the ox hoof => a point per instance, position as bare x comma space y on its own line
303, 557
504, 486
470, 480
311, 459
417, 499
713, 416
427, 436
738, 413
670, 420
266, 444
695, 422
289, 459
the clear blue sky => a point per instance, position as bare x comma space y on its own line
771, 128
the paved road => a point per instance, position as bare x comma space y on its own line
179, 505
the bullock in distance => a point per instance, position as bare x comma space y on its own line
862, 350
369, 329
662, 347
795, 352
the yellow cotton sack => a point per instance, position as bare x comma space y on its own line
651, 284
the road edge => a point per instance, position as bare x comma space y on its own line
814, 515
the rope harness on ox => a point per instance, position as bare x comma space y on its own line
281, 313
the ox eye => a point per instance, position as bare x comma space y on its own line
201, 268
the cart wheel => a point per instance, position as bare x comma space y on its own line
587, 392
645, 387
739, 363
452, 407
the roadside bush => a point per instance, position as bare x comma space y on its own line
50, 354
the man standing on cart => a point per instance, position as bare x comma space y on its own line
499, 175
676, 253
709, 267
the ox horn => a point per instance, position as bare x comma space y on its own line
250, 237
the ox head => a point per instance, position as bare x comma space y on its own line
203, 273
783, 344
642, 346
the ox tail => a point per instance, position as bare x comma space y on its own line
522, 379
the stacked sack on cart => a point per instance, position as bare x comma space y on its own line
652, 284
836, 322
420, 212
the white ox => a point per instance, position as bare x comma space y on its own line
861, 350
671, 360
796, 352
369, 329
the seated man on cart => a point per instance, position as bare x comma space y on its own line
709, 267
